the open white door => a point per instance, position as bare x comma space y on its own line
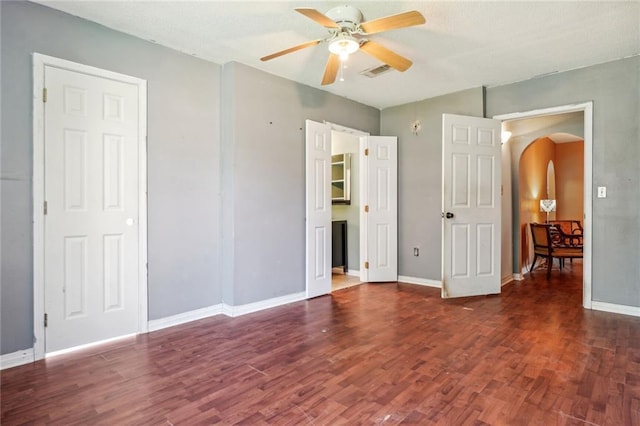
379, 218
471, 206
318, 199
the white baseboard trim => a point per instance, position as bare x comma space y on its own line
223, 308
236, 311
27, 355
15, 359
616, 309
518, 277
420, 281
506, 280
184, 317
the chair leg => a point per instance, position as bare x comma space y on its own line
549, 262
535, 257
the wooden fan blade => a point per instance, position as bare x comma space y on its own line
289, 50
331, 70
321, 19
385, 55
401, 20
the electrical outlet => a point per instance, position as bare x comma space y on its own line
416, 251
602, 192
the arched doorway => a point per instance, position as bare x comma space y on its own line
525, 129
551, 177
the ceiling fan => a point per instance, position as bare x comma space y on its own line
347, 34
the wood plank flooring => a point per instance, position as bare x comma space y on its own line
370, 354
340, 280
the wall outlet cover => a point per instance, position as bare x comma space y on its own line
602, 192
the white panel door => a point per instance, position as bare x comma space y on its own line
318, 199
380, 180
471, 206
91, 178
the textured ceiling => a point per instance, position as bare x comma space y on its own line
462, 45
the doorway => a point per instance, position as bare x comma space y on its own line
378, 181
345, 208
585, 110
550, 185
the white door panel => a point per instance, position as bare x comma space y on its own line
318, 199
380, 180
471, 206
91, 236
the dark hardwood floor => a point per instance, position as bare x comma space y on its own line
374, 353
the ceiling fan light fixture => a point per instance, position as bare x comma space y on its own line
346, 36
343, 45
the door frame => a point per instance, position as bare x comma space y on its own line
40, 61
363, 237
587, 109
362, 163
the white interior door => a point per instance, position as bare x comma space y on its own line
318, 199
379, 219
91, 224
471, 206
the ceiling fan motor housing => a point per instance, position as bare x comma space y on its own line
348, 17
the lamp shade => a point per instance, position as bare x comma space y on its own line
343, 45
547, 206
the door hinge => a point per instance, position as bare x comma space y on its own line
45, 207
46, 320
366, 208
366, 265
44, 94
366, 151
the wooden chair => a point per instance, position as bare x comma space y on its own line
543, 247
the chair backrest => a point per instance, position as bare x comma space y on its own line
568, 226
541, 236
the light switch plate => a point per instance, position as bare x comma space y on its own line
602, 192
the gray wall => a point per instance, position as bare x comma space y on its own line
507, 241
264, 178
420, 177
256, 224
183, 160
614, 88
259, 235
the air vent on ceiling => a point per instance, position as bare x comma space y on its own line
376, 71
